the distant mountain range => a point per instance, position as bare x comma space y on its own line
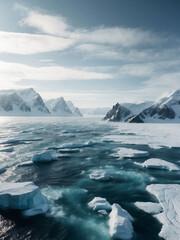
27, 102
165, 109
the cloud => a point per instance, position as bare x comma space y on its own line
57, 25
24, 43
14, 72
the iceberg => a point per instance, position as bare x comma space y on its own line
156, 163
149, 207
100, 175
120, 223
98, 204
24, 196
44, 157
169, 198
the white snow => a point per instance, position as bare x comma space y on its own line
99, 203
169, 198
100, 175
22, 196
120, 223
130, 153
44, 157
160, 164
149, 207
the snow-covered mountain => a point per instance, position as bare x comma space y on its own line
165, 109
137, 108
25, 102
59, 107
74, 109
118, 113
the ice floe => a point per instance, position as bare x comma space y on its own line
98, 204
160, 164
120, 223
24, 196
169, 198
73, 150
149, 207
78, 145
25, 164
44, 157
129, 153
100, 175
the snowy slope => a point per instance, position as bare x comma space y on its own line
58, 107
165, 109
74, 109
25, 102
137, 108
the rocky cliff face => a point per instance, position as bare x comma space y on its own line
118, 113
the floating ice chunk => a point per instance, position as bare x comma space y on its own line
40, 209
22, 196
130, 153
100, 175
99, 203
120, 223
149, 207
103, 212
7, 149
78, 145
3, 169
44, 157
73, 150
157, 147
25, 164
169, 198
160, 164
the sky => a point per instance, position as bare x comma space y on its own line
93, 52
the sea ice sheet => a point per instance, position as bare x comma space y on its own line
169, 198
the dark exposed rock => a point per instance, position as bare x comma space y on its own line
118, 113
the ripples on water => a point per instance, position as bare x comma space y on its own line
66, 182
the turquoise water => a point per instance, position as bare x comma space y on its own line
67, 184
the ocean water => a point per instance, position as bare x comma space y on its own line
66, 181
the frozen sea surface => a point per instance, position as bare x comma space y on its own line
66, 181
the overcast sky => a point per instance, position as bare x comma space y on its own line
93, 52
